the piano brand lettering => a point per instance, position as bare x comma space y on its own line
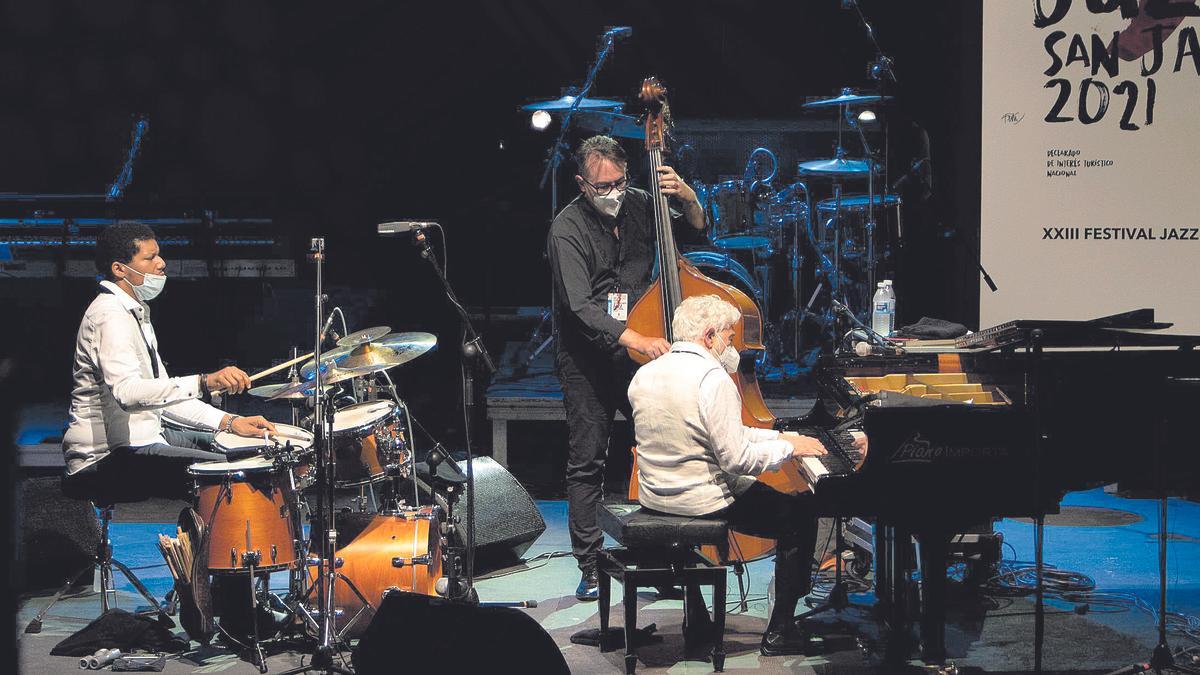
918, 450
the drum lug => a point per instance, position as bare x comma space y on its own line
274, 554
337, 562
418, 560
252, 559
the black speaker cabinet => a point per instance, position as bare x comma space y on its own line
507, 522
58, 535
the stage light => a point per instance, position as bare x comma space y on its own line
539, 120
867, 116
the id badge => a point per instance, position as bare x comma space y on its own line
618, 306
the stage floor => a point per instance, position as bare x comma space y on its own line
990, 637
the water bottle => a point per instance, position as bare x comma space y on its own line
891, 294
880, 305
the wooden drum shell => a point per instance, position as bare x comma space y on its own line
253, 506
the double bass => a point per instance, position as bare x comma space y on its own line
679, 279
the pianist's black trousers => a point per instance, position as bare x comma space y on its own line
763, 512
594, 387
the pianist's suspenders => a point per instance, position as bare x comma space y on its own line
138, 323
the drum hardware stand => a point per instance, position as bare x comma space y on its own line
328, 640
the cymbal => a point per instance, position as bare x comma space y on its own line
386, 352
272, 391
364, 335
380, 353
611, 124
834, 167
847, 97
563, 103
307, 387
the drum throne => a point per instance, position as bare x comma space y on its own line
104, 493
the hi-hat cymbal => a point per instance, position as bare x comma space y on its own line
273, 391
359, 337
563, 103
847, 97
834, 167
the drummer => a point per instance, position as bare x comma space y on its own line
122, 391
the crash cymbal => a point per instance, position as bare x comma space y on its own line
358, 337
563, 103
611, 124
271, 391
386, 352
834, 167
306, 387
847, 97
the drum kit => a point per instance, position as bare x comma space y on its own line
252, 508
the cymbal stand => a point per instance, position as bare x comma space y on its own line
326, 582
870, 224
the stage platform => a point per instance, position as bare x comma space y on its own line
983, 635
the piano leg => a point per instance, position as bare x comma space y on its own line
883, 576
896, 562
934, 548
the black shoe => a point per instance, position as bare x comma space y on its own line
589, 585
789, 642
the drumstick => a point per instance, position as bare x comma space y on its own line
274, 369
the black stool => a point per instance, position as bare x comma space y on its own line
104, 494
660, 550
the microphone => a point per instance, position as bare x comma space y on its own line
403, 226
328, 323
619, 31
910, 174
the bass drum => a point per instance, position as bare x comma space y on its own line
725, 269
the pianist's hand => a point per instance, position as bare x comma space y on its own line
804, 446
860, 442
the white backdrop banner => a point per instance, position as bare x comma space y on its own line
1091, 159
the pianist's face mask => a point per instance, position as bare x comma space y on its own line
730, 358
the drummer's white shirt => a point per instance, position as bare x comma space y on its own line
116, 400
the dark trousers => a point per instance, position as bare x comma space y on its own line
155, 470
789, 519
594, 388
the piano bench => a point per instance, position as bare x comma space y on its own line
660, 550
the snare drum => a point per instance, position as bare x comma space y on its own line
247, 516
367, 438
299, 439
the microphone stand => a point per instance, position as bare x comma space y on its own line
874, 337
473, 354
555, 152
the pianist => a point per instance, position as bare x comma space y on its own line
696, 458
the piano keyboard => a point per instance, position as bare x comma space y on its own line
841, 457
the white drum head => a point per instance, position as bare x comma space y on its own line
248, 465
361, 414
284, 434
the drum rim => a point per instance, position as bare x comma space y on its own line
391, 410
312, 439
268, 467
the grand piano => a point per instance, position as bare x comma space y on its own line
1001, 424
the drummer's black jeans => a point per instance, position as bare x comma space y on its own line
155, 470
594, 388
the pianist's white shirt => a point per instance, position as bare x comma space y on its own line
694, 453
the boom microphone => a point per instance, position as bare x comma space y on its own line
403, 226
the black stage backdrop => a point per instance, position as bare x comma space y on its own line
330, 117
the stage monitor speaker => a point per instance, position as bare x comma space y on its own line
507, 522
417, 633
